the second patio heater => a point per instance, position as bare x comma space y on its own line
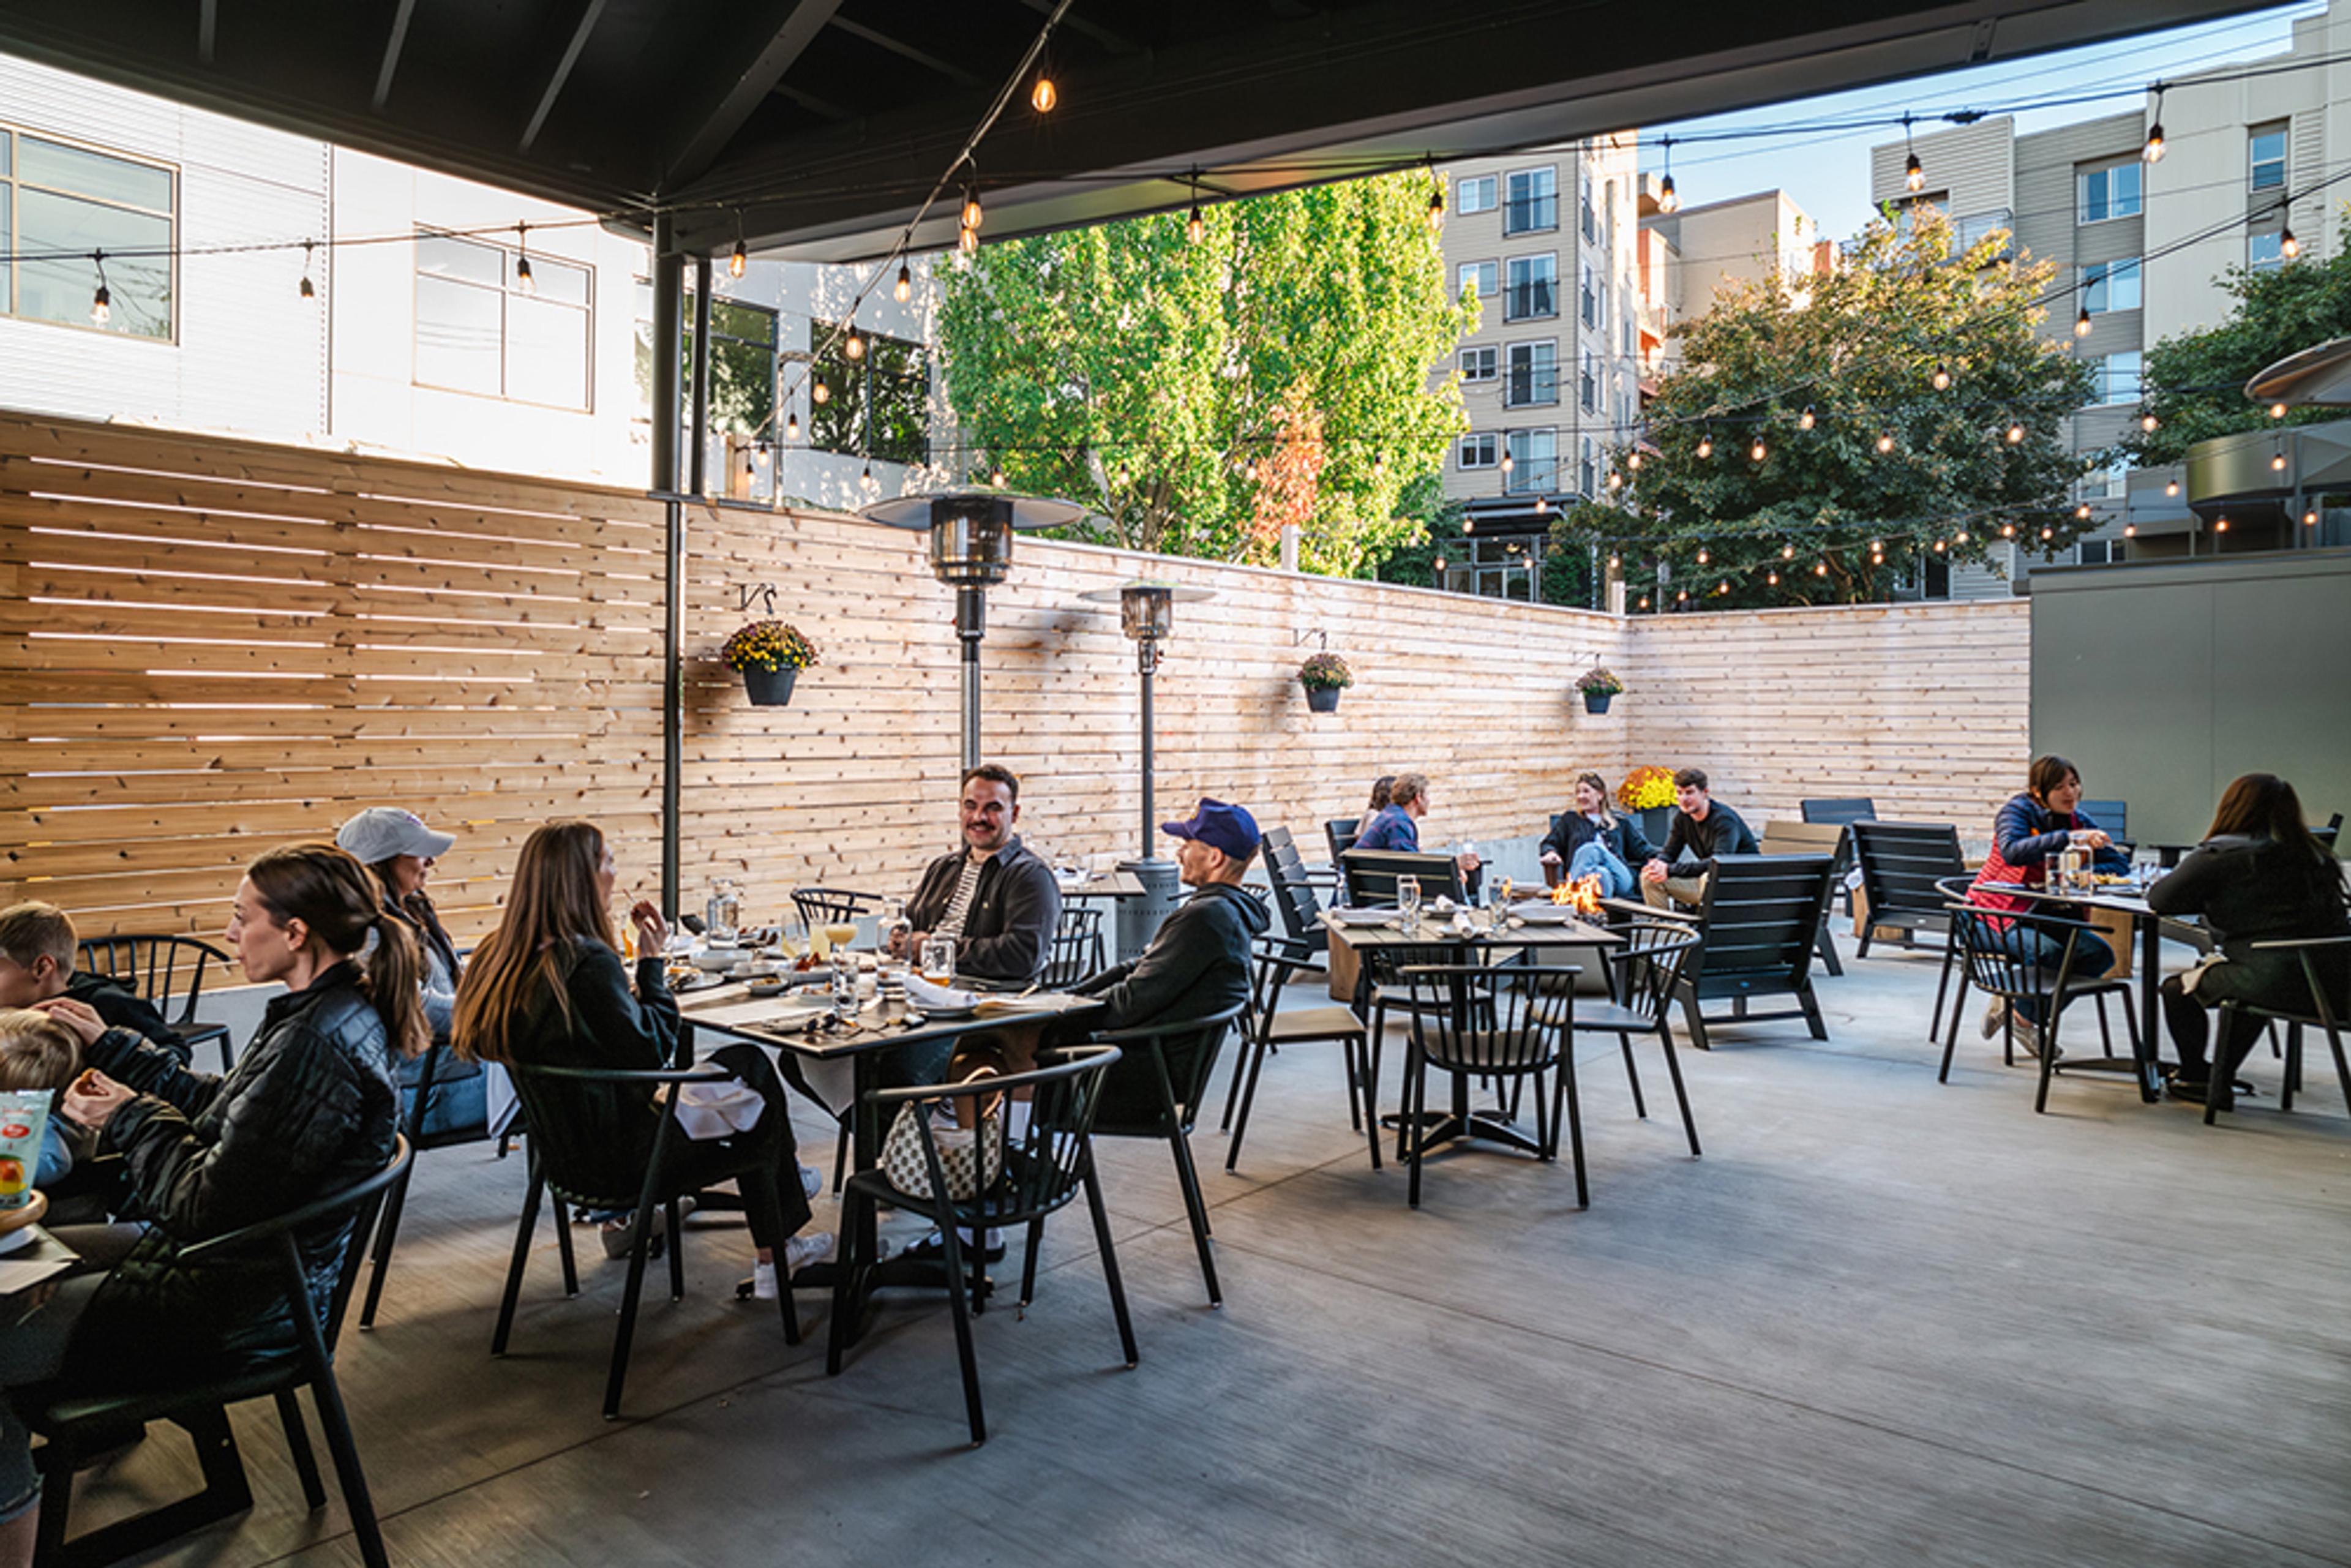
1147, 613
971, 551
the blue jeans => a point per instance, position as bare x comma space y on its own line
1596, 858
2092, 958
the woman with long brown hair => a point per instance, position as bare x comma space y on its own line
1593, 838
547, 989
308, 1110
2258, 876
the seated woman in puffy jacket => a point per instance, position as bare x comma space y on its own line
2034, 826
308, 1110
2258, 876
399, 849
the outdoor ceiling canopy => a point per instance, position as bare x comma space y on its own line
815, 129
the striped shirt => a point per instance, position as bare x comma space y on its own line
959, 905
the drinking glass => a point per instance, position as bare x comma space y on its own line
844, 984
842, 935
791, 936
820, 944
938, 959
1408, 901
890, 934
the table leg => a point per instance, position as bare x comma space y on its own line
2150, 1008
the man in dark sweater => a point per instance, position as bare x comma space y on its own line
998, 901
38, 944
1702, 832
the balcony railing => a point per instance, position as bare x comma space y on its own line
1525, 301
1528, 215
1531, 386
1532, 475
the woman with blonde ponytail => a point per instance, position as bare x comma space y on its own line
309, 1109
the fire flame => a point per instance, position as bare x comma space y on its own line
1583, 894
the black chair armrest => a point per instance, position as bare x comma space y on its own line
348, 1197
2283, 943
709, 1073
2022, 918
1070, 1062
1150, 1032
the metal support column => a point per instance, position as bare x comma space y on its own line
669, 277
1146, 660
698, 454
971, 627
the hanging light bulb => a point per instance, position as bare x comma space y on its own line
523, 279
2277, 463
1914, 174
973, 214
791, 423
1820, 568
2153, 150
2048, 533
1633, 460
1961, 536
1440, 565
2288, 246
1772, 577
1645, 601
904, 288
1723, 586
996, 477
1706, 445
102, 300
1614, 562
2015, 433
1615, 480
1942, 377
1249, 469
2146, 420
1885, 441
2131, 530
1806, 420
1787, 552
1877, 547
1044, 95
1542, 504
1681, 596
2083, 511
819, 392
866, 476
2081, 323
2277, 411
2221, 525
1702, 556
855, 347
1436, 201
2008, 530
2310, 518
2171, 488
1939, 546
967, 241
1668, 199
309, 289
1756, 451
736, 262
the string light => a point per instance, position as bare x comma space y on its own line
1914, 174
1756, 451
2081, 323
967, 241
791, 423
737, 261
1702, 557
1723, 586
1884, 441
1820, 568
1681, 596
1249, 469
2310, 518
1805, 421
1706, 445
1787, 552
1044, 95
2008, 530
1616, 562
2277, 463
2153, 150
904, 287
1961, 536
1440, 564
972, 214
309, 289
1195, 226
2288, 246
819, 393
1633, 460
1942, 377
1772, 577
2015, 433
2083, 511
1668, 199
523, 279
2148, 421
867, 475
855, 347
2277, 411
1436, 200
2171, 488
1939, 546
101, 302
1509, 463
2221, 525
2048, 533
1645, 601
2131, 530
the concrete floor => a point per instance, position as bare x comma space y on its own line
1881, 1320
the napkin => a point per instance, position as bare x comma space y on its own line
937, 998
719, 1110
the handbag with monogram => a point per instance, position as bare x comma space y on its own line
970, 1158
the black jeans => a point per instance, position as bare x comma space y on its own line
2191, 1029
769, 1143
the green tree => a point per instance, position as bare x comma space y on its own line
1866, 465
1145, 374
2196, 379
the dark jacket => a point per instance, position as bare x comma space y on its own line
308, 1109
1197, 966
1389, 827
606, 1026
123, 1008
1007, 932
2023, 836
2253, 890
1624, 839
1692, 848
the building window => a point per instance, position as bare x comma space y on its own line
1534, 289
1591, 219
1910, 210
743, 342
1474, 194
1589, 392
1533, 204
478, 329
1478, 364
1480, 450
881, 404
1973, 230
2267, 144
1480, 278
1591, 466
1534, 375
2097, 552
2110, 286
2266, 250
2118, 377
1492, 568
1588, 301
2110, 190
58, 198
1534, 462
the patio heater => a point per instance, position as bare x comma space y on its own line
1147, 613
971, 551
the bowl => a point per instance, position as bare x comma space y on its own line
720, 959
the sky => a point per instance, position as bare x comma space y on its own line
1827, 173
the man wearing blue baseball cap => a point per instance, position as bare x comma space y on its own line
1198, 964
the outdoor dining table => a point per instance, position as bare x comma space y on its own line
778, 1024
1483, 932
2148, 927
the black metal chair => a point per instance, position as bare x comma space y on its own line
1840, 810
583, 1153
1954, 889
1760, 920
156, 968
1154, 1091
1371, 875
1266, 1028
828, 905
1028, 1176
1900, 864
1996, 965
1497, 1023
1077, 949
2327, 834
1649, 972
1295, 903
1341, 832
387, 1231
2223, 1095
75, 1424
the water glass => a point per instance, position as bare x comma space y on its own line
1408, 901
791, 936
844, 985
938, 959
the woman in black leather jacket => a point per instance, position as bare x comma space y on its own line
2258, 876
308, 1109
1568, 850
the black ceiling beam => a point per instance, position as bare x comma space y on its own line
823, 107
396, 40
923, 59
788, 27
207, 30
564, 64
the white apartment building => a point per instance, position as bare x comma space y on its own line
2144, 246
275, 287
1547, 240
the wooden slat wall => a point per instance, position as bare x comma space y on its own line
216, 646
1925, 709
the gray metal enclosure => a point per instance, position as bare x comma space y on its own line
2164, 680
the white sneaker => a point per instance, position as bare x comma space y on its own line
812, 1181
1995, 1015
799, 1252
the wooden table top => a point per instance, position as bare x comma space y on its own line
1105, 884
779, 1020
1565, 932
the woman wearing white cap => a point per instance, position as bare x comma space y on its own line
400, 850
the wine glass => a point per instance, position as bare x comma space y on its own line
791, 936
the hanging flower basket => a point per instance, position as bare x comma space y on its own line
1322, 699
1324, 676
770, 656
1598, 685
